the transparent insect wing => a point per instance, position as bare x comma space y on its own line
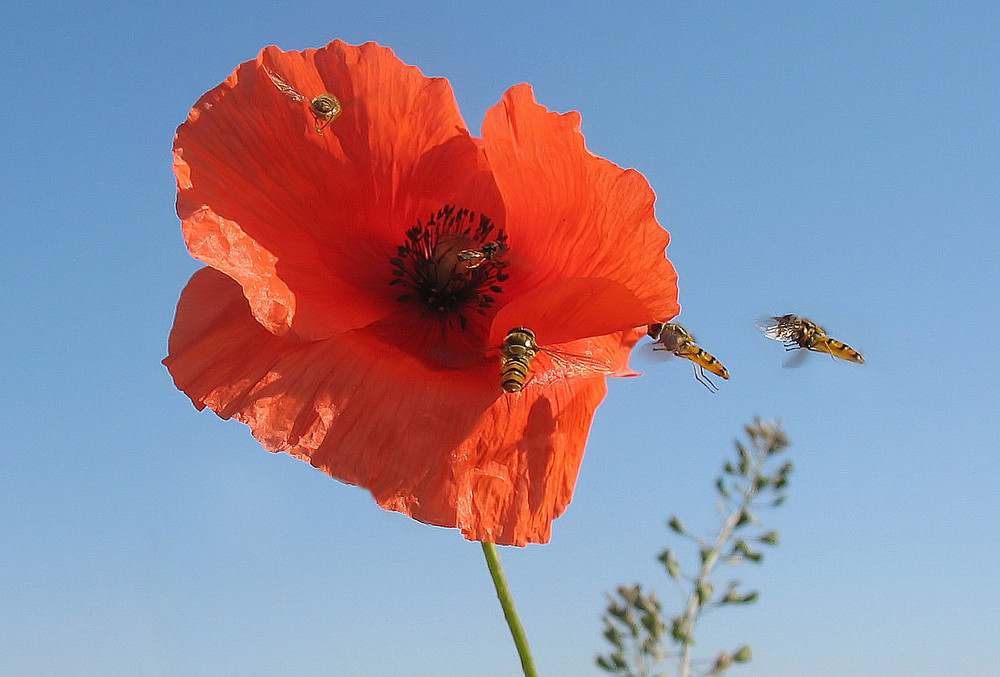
783, 328
653, 354
473, 258
796, 360
477, 257
283, 86
570, 365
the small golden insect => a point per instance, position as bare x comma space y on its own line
517, 356
325, 108
799, 332
487, 252
675, 338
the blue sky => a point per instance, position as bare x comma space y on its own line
834, 160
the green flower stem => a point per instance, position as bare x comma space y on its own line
507, 603
694, 605
711, 558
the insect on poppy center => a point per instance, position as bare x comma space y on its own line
452, 264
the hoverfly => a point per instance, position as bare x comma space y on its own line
325, 108
675, 338
517, 356
799, 332
485, 253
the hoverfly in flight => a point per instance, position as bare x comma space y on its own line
675, 338
325, 108
801, 333
517, 356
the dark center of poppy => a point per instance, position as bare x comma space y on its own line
451, 265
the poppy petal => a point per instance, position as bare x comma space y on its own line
446, 447
518, 472
307, 222
597, 306
598, 223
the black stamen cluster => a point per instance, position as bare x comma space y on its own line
418, 267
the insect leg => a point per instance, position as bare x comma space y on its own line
701, 377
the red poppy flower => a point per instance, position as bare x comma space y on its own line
364, 269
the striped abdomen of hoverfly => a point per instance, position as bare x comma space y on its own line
825, 344
703, 359
517, 353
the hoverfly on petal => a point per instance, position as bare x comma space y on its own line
325, 108
799, 333
676, 339
518, 354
